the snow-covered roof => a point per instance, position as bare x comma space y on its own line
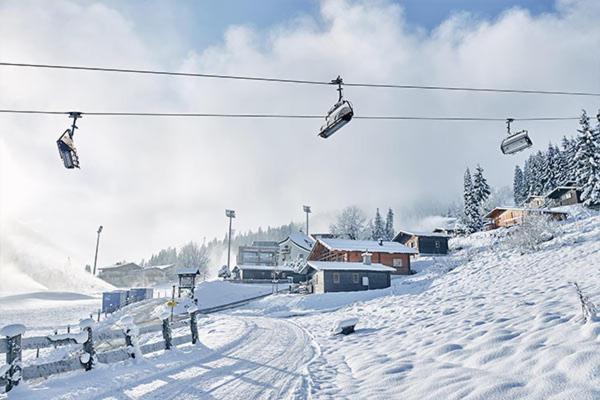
265, 267
301, 239
186, 271
413, 233
348, 266
366, 245
164, 266
120, 265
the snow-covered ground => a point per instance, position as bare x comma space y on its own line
488, 322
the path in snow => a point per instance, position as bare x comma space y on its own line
261, 358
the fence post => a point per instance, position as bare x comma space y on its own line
131, 332
193, 311
87, 358
166, 330
13, 335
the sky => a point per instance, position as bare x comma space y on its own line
154, 183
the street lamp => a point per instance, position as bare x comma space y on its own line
229, 214
307, 211
97, 244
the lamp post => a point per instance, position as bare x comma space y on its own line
97, 244
307, 211
229, 214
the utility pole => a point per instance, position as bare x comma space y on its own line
97, 244
307, 211
229, 214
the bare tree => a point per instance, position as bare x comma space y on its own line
350, 222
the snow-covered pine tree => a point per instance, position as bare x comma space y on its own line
518, 187
536, 165
526, 178
568, 164
378, 227
480, 186
550, 169
472, 213
389, 225
587, 162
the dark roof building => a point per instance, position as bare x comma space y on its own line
564, 195
425, 243
337, 276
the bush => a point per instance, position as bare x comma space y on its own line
531, 233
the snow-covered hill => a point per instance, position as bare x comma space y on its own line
501, 325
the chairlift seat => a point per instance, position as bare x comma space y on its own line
516, 142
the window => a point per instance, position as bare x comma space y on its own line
336, 277
437, 244
355, 277
567, 196
397, 262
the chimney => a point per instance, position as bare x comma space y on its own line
366, 257
380, 241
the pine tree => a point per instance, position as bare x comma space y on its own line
472, 214
389, 225
518, 186
481, 188
378, 231
587, 162
526, 178
568, 157
550, 169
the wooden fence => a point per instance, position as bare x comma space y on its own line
125, 339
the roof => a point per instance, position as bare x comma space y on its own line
348, 266
558, 191
164, 266
188, 271
265, 267
120, 265
301, 239
499, 210
366, 245
412, 233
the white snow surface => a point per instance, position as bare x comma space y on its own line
486, 322
366, 245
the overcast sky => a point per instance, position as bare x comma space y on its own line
159, 182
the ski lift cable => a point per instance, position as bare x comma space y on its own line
301, 81
282, 116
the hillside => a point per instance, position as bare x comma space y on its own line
501, 325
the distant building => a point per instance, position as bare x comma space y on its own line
267, 273
534, 201
391, 254
425, 243
502, 217
339, 276
124, 274
447, 227
566, 195
295, 247
260, 252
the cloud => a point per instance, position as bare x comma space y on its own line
159, 182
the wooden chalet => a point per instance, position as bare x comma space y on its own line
425, 243
566, 195
502, 217
391, 254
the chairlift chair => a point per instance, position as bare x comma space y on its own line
67, 151
339, 115
515, 142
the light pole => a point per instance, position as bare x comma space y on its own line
307, 211
229, 214
97, 244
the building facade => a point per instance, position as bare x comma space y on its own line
259, 253
295, 247
390, 254
503, 217
424, 243
336, 276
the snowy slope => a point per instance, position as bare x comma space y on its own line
503, 325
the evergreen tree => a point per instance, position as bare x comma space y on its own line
568, 164
587, 162
389, 225
526, 178
472, 214
518, 186
481, 189
550, 170
378, 230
